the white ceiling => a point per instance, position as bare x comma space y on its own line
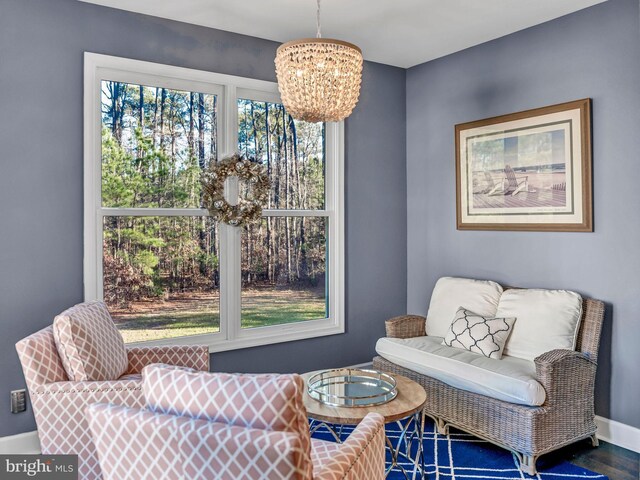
396, 32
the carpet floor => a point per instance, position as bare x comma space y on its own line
460, 456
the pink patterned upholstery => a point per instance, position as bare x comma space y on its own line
186, 356
360, 456
89, 343
321, 453
41, 363
59, 404
62, 427
265, 402
141, 444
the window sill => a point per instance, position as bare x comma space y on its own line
254, 337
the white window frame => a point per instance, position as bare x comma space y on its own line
231, 336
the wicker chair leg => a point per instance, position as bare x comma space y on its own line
443, 427
594, 440
528, 464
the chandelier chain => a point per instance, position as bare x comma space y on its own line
318, 33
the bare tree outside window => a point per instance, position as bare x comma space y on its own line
161, 275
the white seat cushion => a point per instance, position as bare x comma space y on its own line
547, 320
449, 294
510, 379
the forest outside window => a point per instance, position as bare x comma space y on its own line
167, 271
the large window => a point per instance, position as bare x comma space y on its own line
167, 271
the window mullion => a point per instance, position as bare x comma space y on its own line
231, 250
232, 284
334, 203
97, 292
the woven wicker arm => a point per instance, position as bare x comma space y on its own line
405, 326
191, 356
567, 376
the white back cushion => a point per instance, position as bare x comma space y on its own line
547, 320
450, 293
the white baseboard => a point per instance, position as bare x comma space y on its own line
25, 443
619, 434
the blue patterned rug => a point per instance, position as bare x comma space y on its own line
460, 456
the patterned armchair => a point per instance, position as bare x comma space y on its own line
59, 404
221, 426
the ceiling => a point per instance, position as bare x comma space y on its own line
403, 33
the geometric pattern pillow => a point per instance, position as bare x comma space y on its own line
89, 344
475, 333
262, 401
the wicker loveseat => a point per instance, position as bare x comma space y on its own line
567, 376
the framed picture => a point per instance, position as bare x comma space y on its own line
526, 171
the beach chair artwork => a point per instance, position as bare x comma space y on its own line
526, 171
511, 184
483, 185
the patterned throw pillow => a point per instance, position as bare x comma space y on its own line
270, 402
475, 333
89, 344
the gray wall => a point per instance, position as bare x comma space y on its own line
41, 48
593, 53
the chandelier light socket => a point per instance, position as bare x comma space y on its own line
319, 78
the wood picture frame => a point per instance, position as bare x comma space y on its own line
526, 171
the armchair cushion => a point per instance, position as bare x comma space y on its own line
89, 344
182, 447
510, 379
266, 402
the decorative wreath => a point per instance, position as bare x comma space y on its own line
248, 210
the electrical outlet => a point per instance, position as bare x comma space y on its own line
18, 401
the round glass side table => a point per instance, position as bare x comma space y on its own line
404, 408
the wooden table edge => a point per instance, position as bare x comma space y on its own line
350, 418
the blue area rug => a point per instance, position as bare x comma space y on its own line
460, 456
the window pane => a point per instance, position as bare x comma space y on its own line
283, 271
155, 143
161, 276
291, 150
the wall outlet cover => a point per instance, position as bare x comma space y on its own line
18, 401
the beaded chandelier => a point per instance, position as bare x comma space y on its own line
319, 78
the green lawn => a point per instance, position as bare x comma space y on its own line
195, 316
